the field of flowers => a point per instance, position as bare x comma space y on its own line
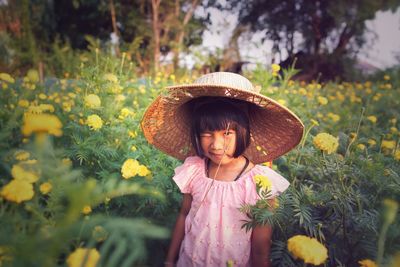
79, 183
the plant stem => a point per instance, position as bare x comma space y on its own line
381, 242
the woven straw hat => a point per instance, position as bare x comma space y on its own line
274, 129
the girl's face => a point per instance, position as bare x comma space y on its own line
219, 146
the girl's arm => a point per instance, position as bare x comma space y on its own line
260, 246
179, 231
261, 243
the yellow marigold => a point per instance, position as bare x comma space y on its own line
120, 98
94, 122
7, 77
22, 155
371, 142
386, 77
41, 123
393, 130
307, 249
33, 76
334, 117
326, 142
388, 144
86, 209
133, 148
67, 162
367, 263
393, 121
275, 67
397, 155
92, 101
130, 168
125, 112
143, 171
17, 191
282, 102
110, 77
372, 118
83, 257
46, 107
23, 103
263, 182
322, 100
25, 171
361, 146
45, 188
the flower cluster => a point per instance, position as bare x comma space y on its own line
132, 167
307, 249
326, 142
92, 101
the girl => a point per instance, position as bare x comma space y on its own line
222, 128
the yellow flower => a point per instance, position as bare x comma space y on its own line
83, 257
326, 142
17, 191
22, 155
86, 209
263, 182
322, 100
397, 155
45, 188
143, 170
388, 144
41, 123
334, 117
282, 102
110, 77
125, 112
391, 207
275, 67
23, 103
25, 171
393, 130
92, 101
120, 98
372, 119
67, 162
33, 76
367, 263
361, 146
133, 148
94, 122
7, 77
308, 249
386, 77
395, 262
371, 142
314, 122
130, 168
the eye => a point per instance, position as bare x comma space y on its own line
229, 133
205, 134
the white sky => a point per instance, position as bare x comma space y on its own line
380, 53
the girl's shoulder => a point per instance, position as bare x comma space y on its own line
191, 168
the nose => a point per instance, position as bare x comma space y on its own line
219, 142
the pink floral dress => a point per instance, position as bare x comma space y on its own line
213, 233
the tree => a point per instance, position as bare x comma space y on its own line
319, 32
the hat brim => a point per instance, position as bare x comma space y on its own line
275, 129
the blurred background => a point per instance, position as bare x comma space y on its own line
327, 40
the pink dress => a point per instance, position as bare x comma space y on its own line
213, 233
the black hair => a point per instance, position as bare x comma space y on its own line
216, 113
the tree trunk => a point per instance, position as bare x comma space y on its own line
114, 26
181, 34
155, 5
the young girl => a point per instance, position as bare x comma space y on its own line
222, 128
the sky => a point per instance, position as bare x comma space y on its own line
379, 53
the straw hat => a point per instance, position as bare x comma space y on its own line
274, 129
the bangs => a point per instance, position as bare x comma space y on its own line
216, 120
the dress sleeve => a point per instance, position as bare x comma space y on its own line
185, 173
279, 184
